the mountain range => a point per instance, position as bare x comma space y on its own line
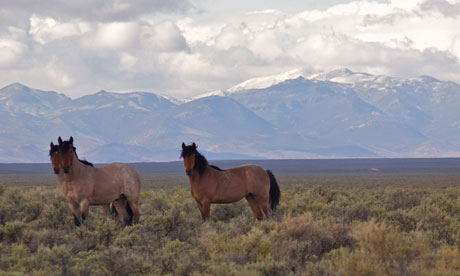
339, 114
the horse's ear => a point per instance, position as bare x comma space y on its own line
60, 140
183, 145
51, 145
71, 140
194, 145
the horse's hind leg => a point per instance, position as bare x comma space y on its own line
265, 207
263, 203
120, 206
254, 206
135, 212
109, 212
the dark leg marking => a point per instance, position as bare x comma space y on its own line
76, 221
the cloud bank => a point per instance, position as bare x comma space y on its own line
172, 48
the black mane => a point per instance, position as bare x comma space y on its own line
217, 168
200, 163
87, 163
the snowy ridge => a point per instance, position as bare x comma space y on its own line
264, 82
204, 95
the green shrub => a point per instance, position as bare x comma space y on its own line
402, 220
32, 210
55, 261
438, 226
401, 199
270, 267
57, 214
359, 211
381, 250
13, 231
298, 240
226, 212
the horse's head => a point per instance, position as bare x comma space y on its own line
66, 152
54, 156
189, 153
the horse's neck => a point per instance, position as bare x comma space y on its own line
196, 177
78, 169
209, 172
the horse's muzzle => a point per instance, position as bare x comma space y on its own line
66, 169
188, 172
56, 171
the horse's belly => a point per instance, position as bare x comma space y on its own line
227, 200
228, 197
103, 198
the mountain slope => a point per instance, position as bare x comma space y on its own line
332, 111
336, 114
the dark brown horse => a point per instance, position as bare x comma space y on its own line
209, 184
84, 185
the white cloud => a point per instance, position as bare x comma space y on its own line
407, 5
46, 29
115, 35
163, 37
231, 36
96, 10
127, 62
57, 75
124, 45
10, 51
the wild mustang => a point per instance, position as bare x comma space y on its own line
54, 156
210, 184
85, 185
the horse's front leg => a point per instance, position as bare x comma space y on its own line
84, 207
205, 207
75, 208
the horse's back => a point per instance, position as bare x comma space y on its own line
254, 176
123, 174
249, 170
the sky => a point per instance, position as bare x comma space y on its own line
183, 48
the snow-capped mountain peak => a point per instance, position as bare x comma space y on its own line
264, 82
344, 76
204, 95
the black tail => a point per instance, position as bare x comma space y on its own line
130, 213
275, 193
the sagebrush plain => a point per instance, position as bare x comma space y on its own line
342, 217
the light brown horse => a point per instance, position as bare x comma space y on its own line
55, 162
84, 185
209, 184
